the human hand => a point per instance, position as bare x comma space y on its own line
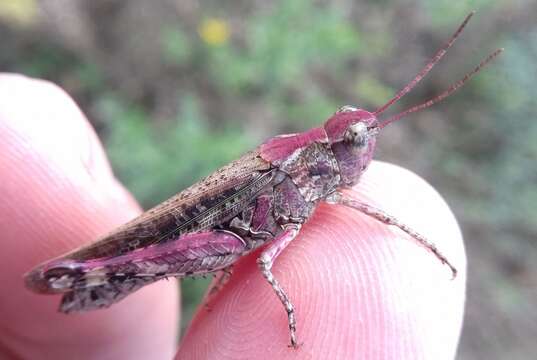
360, 289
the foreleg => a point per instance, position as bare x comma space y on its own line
385, 218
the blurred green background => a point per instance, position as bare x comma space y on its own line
177, 88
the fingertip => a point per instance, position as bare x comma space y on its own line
361, 289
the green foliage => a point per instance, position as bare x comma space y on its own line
192, 290
512, 92
48, 62
373, 91
176, 46
442, 12
156, 161
270, 63
272, 60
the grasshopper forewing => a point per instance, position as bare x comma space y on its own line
261, 199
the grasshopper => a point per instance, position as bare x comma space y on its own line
260, 200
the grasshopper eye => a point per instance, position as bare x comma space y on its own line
357, 136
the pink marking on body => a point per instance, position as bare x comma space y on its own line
185, 244
280, 147
261, 214
335, 126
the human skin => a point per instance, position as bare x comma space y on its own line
361, 289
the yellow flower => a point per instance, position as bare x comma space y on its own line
19, 12
214, 31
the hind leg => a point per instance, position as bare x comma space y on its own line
99, 283
221, 279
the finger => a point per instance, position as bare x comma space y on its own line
58, 193
361, 289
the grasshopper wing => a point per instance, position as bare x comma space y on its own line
202, 206
199, 207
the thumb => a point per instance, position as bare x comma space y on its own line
58, 193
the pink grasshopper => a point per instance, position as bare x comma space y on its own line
263, 198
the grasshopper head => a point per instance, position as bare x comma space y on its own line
352, 134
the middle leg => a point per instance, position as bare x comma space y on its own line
221, 278
265, 262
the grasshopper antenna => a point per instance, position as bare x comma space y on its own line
443, 95
435, 59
